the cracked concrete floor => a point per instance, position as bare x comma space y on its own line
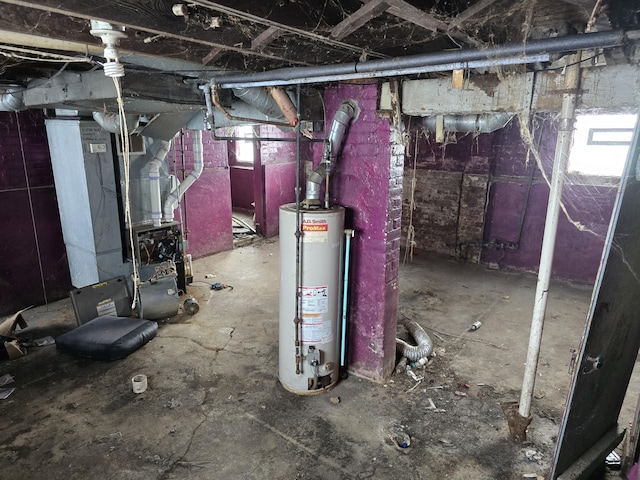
214, 408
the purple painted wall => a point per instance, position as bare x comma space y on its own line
28, 207
368, 181
207, 204
278, 166
577, 254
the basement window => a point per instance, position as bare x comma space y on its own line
601, 144
244, 150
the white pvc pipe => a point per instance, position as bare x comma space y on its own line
154, 183
176, 194
563, 146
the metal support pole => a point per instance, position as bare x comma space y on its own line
563, 146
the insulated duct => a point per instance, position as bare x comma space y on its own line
12, 98
177, 192
341, 121
110, 122
154, 182
483, 123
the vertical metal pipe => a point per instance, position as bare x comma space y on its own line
296, 320
348, 234
563, 146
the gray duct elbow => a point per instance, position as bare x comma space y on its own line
12, 99
111, 122
424, 347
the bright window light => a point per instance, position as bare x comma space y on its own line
600, 144
244, 149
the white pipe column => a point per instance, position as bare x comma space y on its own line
176, 194
154, 182
563, 146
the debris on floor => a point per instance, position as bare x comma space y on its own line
398, 436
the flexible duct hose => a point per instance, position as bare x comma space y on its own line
415, 352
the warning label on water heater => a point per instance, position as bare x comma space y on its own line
316, 327
315, 231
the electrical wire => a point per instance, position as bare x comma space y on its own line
124, 138
33, 218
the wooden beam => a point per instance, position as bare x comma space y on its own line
145, 16
358, 18
265, 38
408, 12
472, 11
285, 28
212, 55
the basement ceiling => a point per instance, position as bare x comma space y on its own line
187, 38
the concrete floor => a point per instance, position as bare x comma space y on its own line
214, 408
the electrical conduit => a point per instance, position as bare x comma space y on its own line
177, 192
154, 182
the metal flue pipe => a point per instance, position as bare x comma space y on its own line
510, 53
341, 121
560, 161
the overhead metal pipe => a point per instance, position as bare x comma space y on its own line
560, 161
516, 52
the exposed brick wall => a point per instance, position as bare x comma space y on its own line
449, 196
368, 182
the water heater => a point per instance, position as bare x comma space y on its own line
309, 349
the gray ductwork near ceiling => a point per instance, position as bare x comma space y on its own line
110, 122
483, 123
12, 98
261, 100
341, 121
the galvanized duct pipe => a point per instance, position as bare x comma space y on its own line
154, 182
482, 123
12, 98
110, 122
341, 121
261, 100
415, 352
497, 55
176, 194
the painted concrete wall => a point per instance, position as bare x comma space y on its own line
587, 200
206, 207
29, 212
368, 182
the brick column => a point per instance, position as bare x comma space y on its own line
368, 182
